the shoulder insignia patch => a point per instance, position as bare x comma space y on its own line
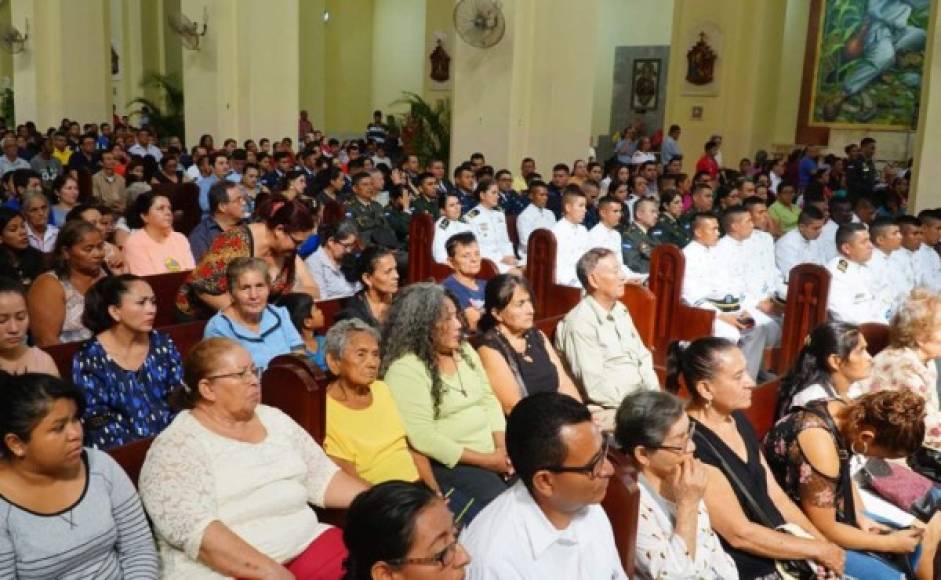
444, 224
842, 265
473, 213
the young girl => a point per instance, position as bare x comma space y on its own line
307, 318
16, 357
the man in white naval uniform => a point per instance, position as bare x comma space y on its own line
906, 260
750, 258
841, 212
852, 296
571, 237
886, 281
709, 284
449, 224
535, 216
606, 235
489, 225
803, 244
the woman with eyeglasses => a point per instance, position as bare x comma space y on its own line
404, 531
228, 483
263, 329
325, 265
127, 370
282, 228
674, 536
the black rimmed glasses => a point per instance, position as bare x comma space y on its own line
245, 375
676, 448
442, 559
593, 469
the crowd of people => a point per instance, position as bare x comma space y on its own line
462, 439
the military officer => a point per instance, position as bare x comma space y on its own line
637, 243
489, 226
702, 202
427, 200
449, 224
571, 237
606, 235
853, 298
750, 259
886, 239
668, 230
369, 215
399, 213
536, 215
801, 245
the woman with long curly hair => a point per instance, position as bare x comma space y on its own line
441, 389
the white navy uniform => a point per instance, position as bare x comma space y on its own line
793, 249
571, 242
752, 260
529, 220
852, 296
905, 267
886, 281
929, 268
827, 241
709, 279
601, 236
489, 225
444, 229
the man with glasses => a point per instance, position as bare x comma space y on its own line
324, 264
227, 211
510, 200
549, 524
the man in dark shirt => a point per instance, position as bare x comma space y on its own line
510, 200
227, 207
282, 160
86, 159
861, 171
464, 185
560, 178
369, 215
427, 200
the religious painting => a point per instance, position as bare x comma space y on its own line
645, 85
700, 62
869, 63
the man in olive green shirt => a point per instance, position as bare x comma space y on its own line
427, 200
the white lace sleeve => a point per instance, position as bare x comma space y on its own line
177, 488
320, 470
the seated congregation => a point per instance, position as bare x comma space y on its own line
238, 363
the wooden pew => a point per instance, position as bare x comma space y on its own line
421, 234
764, 401
512, 231
330, 309
549, 299
165, 287
674, 319
131, 457
299, 389
806, 308
548, 326
621, 503
488, 270
85, 187
877, 336
333, 212
642, 306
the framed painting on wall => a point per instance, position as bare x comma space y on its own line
645, 84
867, 64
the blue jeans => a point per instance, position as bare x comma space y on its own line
865, 567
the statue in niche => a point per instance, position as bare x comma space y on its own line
440, 63
115, 60
700, 61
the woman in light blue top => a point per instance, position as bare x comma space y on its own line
265, 331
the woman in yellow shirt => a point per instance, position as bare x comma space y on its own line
365, 435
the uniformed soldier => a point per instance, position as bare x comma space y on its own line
427, 200
536, 215
702, 203
511, 201
489, 225
861, 171
399, 213
853, 298
802, 245
369, 215
571, 236
449, 224
606, 235
667, 229
708, 283
637, 244
886, 240
750, 259
464, 185
905, 261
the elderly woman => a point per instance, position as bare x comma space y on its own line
365, 435
128, 370
713, 371
674, 536
441, 389
518, 357
464, 259
375, 268
153, 247
67, 512
16, 357
41, 234
227, 484
809, 454
283, 226
263, 329
18, 260
402, 530
56, 299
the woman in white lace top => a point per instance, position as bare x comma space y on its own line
227, 484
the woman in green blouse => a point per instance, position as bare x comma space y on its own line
440, 387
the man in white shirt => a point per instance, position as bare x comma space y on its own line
708, 283
144, 147
489, 225
535, 216
841, 212
802, 245
886, 239
549, 524
751, 260
853, 297
605, 233
906, 261
571, 237
929, 262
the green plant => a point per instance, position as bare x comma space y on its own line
426, 128
166, 120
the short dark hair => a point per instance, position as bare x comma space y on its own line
809, 214
730, 215
24, 401
702, 216
21, 177
753, 200
219, 194
867, 141
908, 220
459, 239
461, 169
533, 432
141, 205
879, 226
644, 418
608, 200
846, 232
360, 177
104, 294
560, 167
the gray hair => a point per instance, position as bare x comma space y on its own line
644, 419
29, 195
239, 266
588, 262
339, 335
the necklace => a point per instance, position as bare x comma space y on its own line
68, 519
457, 369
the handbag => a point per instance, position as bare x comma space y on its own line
787, 569
927, 462
900, 486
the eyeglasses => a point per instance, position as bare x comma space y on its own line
443, 559
347, 246
245, 375
689, 437
592, 469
